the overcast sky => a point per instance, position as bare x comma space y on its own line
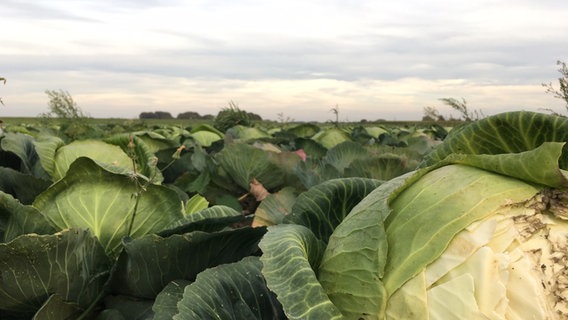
299, 58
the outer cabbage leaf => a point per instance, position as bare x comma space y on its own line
291, 254
206, 134
149, 263
383, 167
17, 219
165, 305
94, 149
143, 156
312, 149
211, 219
510, 132
304, 130
324, 206
111, 314
247, 133
245, 163
539, 165
22, 145
275, 207
375, 131
467, 194
196, 204
46, 147
230, 291
56, 308
91, 197
71, 264
156, 142
331, 137
171, 167
24, 187
344, 153
315, 171
267, 146
125, 307
350, 276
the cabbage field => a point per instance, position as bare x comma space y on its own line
291, 221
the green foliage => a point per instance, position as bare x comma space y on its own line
243, 163
292, 254
91, 197
61, 105
350, 220
323, 207
248, 297
72, 119
331, 137
146, 255
462, 108
510, 132
304, 130
75, 252
231, 116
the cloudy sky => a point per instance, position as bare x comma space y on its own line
373, 59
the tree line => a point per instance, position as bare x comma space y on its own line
191, 115
166, 115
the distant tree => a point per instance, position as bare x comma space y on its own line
155, 115
562, 92
61, 105
432, 114
163, 115
462, 108
189, 115
254, 117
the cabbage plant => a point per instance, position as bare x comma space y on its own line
479, 232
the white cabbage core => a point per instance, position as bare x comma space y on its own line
512, 265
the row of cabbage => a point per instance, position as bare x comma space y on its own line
85, 205
299, 222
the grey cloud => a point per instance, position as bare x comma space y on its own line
130, 5
37, 10
433, 54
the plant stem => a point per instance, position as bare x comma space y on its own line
139, 188
87, 312
133, 217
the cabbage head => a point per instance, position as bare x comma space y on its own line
461, 243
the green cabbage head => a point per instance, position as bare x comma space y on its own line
461, 243
466, 243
